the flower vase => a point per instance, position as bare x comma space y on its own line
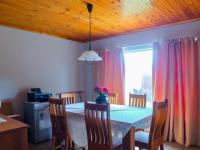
102, 99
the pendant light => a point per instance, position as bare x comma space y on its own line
90, 55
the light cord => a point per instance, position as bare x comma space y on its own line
90, 31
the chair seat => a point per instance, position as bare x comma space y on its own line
141, 137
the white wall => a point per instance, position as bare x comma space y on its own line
143, 37
34, 60
148, 36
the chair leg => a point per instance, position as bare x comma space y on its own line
162, 147
66, 147
53, 143
154, 148
73, 144
67, 143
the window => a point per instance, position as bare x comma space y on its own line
138, 71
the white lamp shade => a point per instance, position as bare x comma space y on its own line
90, 55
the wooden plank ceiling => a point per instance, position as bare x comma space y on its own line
69, 18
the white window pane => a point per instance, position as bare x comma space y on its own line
138, 73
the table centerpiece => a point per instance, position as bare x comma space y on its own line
102, 95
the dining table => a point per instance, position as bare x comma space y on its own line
122, 119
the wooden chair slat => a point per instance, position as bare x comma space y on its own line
137, 100
72, 96
68, 98
6, 108
98, 126
112, 98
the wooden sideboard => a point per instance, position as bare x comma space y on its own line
13, 134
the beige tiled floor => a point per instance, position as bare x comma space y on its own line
168, 146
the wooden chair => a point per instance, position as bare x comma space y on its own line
112, 98
154, 139
71, 97
137, 100
98, 126
68, 98
59, 124
6, 108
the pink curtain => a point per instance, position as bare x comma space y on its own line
176, 76
109, 72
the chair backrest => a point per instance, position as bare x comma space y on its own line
58, 117
158, 120
112, 98
68, 98
71, 97
98, 126
137, 100
6, 108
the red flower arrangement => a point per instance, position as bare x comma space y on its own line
101, 91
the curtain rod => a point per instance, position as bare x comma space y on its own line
196, 38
